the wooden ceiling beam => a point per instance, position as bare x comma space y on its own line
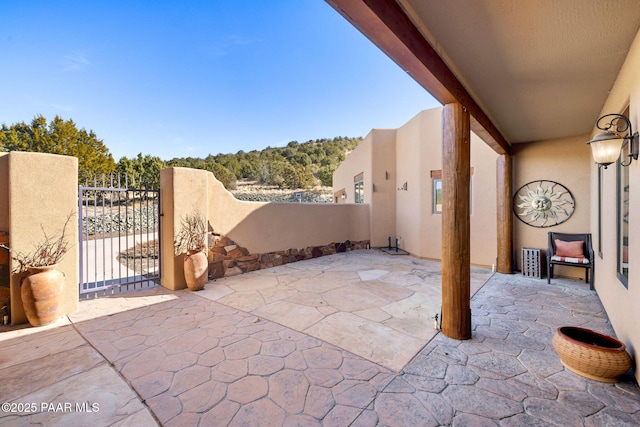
386, 24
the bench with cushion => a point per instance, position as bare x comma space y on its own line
570, 249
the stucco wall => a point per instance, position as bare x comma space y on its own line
419, 151
383, 193
259, 227
4, 191
484, 226
375, 157
182, 191
408, 214
621, 303
565, 161
42, 192
4, 218
265, 227
358, 161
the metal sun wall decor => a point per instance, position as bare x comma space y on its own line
543, 203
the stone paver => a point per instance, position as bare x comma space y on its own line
504, 376
182, 359
347, 300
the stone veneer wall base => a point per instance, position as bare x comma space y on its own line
226, 258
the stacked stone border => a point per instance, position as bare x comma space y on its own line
227, 258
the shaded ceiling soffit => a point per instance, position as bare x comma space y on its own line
386, 24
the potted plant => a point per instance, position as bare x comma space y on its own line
190, 240
42, 288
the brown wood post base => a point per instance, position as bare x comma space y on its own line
456, 241
504, 187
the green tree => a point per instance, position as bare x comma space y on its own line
143, 171
60, 137
297, 176
325, 175
221, 173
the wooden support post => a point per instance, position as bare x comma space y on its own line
456, 241
504, 187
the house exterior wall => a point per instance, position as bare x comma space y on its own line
383, 192
419, 151
359, 161
620, 302
408, 214
565, 161
484, 202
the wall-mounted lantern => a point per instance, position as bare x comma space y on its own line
607, 145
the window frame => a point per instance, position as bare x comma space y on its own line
622, 235
358, 188
436, 177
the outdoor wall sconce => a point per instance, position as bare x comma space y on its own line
343, 195
607, 145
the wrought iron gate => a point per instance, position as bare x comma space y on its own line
119, 237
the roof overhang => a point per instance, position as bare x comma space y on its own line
526, 70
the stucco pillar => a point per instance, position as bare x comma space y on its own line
182, 190
504, 189
42, 195
456, 236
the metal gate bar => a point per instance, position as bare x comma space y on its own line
119, 237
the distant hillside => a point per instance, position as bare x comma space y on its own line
254, 192
298, 165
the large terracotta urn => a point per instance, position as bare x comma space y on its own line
42, 294
196, 270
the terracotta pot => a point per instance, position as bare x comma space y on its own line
42, 295
196, 270
591, 354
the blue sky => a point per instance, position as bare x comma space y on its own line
193, 78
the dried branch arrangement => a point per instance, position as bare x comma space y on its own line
49, 251
191, 236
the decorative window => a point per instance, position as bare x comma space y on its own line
622, 178
436, 179
600, 211
358, 185
437, 195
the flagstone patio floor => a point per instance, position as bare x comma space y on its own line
346, 339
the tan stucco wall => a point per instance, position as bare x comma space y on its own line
4, 218
383, 186
484, 225
408, 215
375, 158
266, 227
419, 151
4, 192
42, 192
565, 161
358, 161
259, 227
620, 303
182, 191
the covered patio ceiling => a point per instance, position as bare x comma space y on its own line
527, 70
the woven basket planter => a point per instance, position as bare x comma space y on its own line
591, 354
